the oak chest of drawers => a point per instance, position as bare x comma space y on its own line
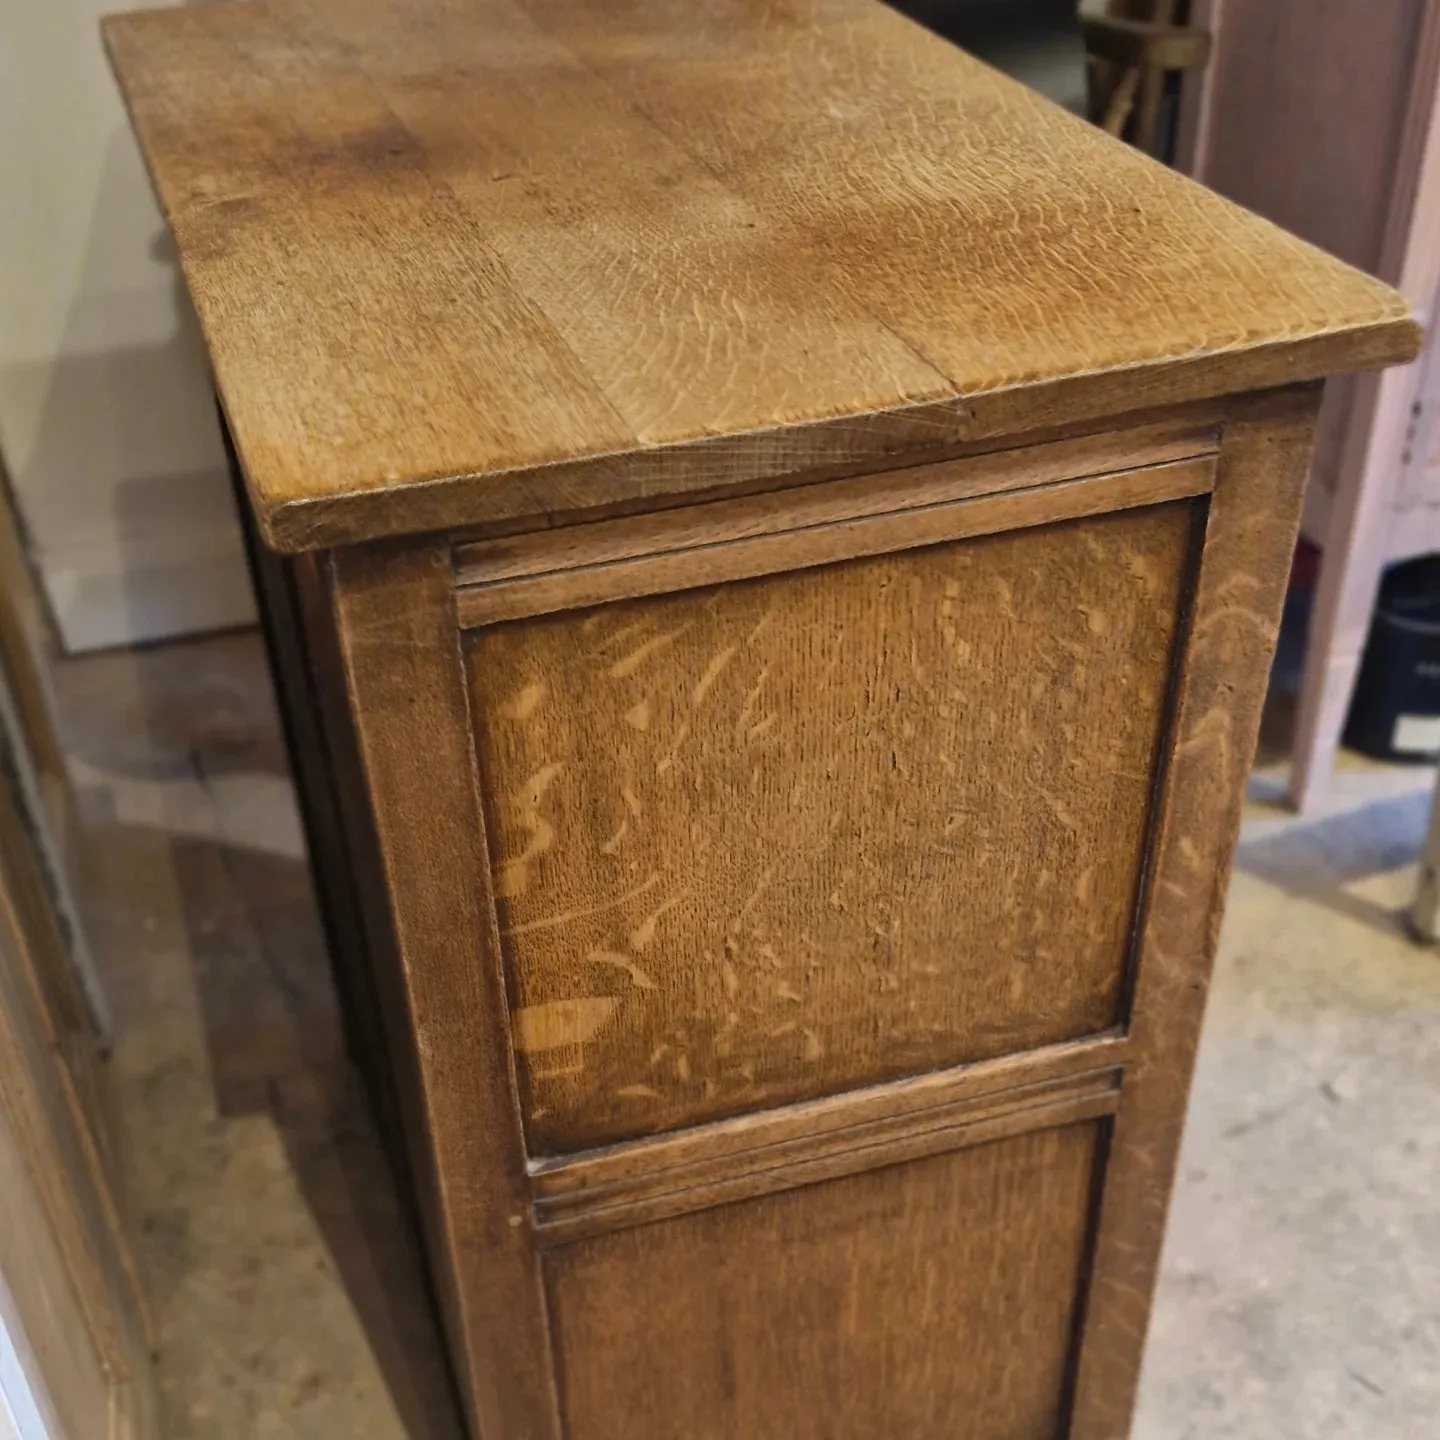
772, 537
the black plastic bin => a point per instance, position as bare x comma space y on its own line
1395, 714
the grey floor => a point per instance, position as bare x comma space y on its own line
1301, 1292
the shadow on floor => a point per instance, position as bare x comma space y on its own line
274, 1039
1318, 861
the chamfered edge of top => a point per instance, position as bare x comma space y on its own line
856, 444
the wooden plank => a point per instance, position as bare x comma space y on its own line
969, 260
1254, 517
279, 584
42, 777
761, 1129
481, 562
744, 1175
397, 637
722, 559
953, 1320
732, 242
335, 346
41, 1307
533, 144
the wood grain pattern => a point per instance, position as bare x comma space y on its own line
1250, 536
950, 1320
734, 828
397, 638
461, 261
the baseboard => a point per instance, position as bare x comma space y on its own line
97, 607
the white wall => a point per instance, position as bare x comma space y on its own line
25, 1412
106, 419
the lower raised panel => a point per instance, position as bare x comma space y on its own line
935, 1300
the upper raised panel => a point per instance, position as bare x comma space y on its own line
773, 839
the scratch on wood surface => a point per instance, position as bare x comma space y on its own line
615, 636
525, 704
623, 962
1210, 731
667, 760
632, 801
564, 917
644, 932
1150, 575
717, 663
629, 664
761, 885
752, 698
729, 979
637, 717
1058, 809
612, 845
761, 625
514, 875
637, 1092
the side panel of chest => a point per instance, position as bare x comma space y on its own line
799, 913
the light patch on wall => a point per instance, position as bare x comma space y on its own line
24, 1411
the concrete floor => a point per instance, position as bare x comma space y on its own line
1301, 1293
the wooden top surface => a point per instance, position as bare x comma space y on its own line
460, 260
